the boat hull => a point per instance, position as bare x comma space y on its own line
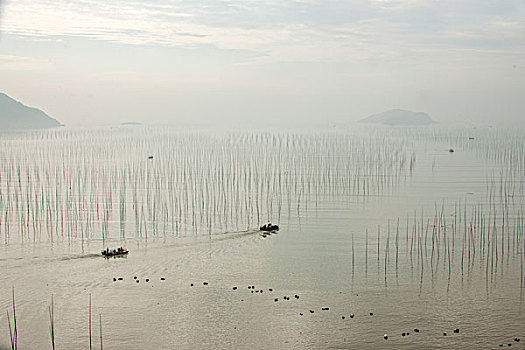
269, 228
114, 255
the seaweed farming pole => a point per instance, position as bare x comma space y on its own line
52, 323
397, 246
366, 253
100, 323
13, 331
378, 240
90, 342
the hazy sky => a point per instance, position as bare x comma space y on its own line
267, 61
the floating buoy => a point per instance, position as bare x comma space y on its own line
296, 296
134, 277
416, 330
371, 314
114, 279
147, 279
270, 290
163, 278
343, 317
234, 288
456, 330
403, 334
137, 281
451, 150
352, 315
204, 283
276, 299
191, 284
312, 311
385, 336
445, 334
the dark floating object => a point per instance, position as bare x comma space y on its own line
325, 308
371, 314
296, 296
137, 281
385, 336
456, 330
150, 157
343, 317
120, 278
269, 227
471, 137
276, 299
312, 311
445, 334
509, 344
234, 288
163, 278
147, 279
114, 279
204, 283
416, 330
270, 290
191, 284
451, 150
516, 339
108, 253
134, 277
352, 315
403, 334
300, 313
249, 287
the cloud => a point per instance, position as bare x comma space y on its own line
283, 31
17, 63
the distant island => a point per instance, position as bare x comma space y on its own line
130, 123
14, 115
399, 117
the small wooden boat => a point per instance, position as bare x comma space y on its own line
269, 227
108, 253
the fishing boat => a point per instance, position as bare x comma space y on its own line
108, 253
269, 227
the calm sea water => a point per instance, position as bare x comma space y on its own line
385, 224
